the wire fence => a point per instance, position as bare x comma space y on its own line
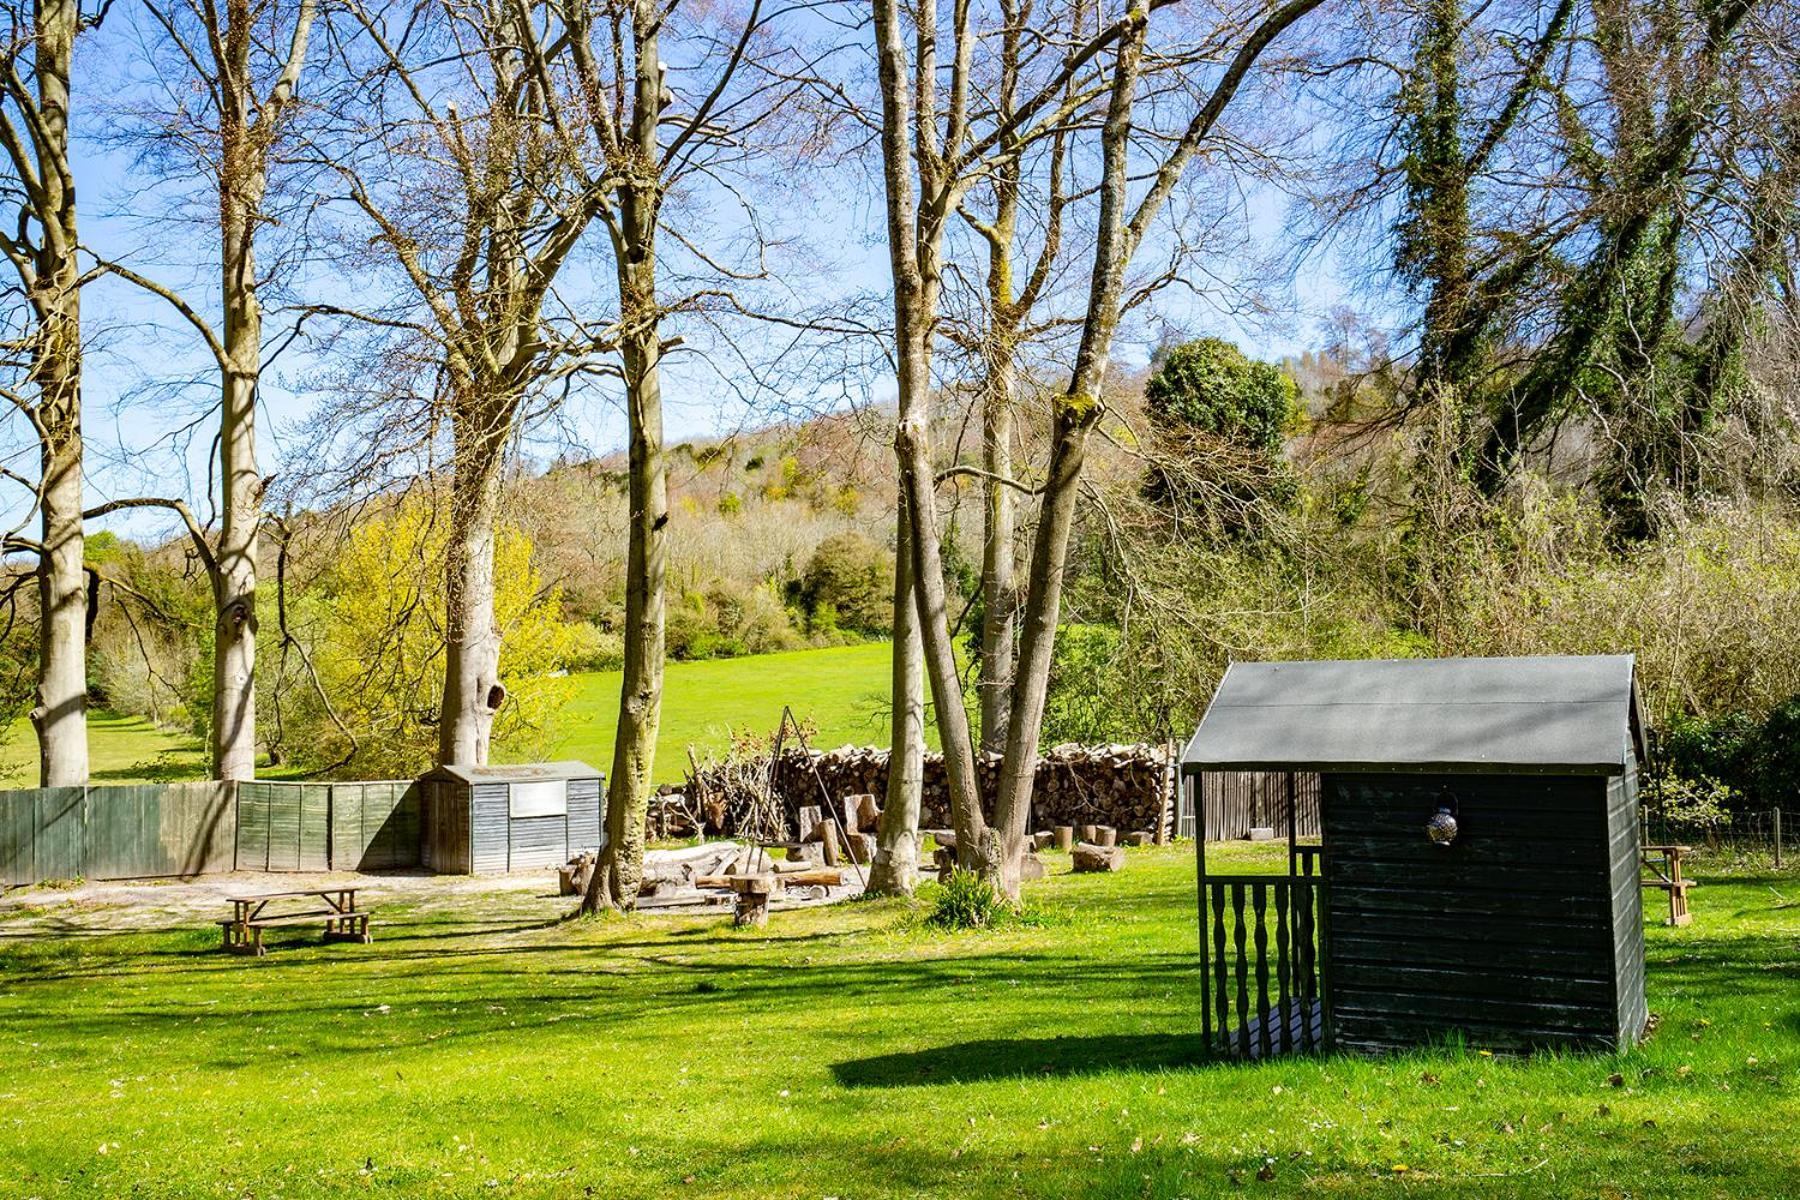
1762, 833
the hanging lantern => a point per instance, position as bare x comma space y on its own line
1442, 829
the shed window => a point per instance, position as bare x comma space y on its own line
539, 798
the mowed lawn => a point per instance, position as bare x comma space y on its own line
842, 691
488, 1048
121, 749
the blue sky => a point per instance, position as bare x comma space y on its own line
137, 405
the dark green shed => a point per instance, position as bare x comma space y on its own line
494, 819
1477, 866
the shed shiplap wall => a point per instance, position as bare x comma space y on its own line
538, 841
445, 837
1528, 880
1627, 903
586, 819
488, 820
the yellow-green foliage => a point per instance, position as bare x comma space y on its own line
380, 643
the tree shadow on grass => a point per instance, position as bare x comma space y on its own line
1015, 1058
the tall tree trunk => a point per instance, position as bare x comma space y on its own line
472, 688
60, 715
895, 869
998, 586
640, 690
915, 240
243, 186
621, 867
1077, 410
234, 580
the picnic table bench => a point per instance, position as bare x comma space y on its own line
250, 915
1664, 866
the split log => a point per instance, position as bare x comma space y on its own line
861, 847
828, 837
868, 812
1090, 858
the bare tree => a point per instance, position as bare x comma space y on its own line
233, 73
930, 149
39, 238
665, 136
452, 152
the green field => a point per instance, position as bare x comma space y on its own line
120, 750
842, 691
483, 1046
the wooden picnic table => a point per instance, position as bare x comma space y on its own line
250, 915
1664, 864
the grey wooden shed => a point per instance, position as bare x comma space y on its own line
493, 819
1476, 872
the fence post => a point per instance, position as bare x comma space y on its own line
1778, 839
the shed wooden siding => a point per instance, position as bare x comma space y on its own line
445, 844
490, 845
586, 815
537, 842
1627, 903
1528, 880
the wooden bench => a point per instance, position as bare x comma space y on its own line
343, 921
1664, 865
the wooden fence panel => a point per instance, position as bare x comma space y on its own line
41, 835
313, 851
252, 827
1234, 802
392, 817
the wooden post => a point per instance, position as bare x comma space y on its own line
828, 837
1778, 839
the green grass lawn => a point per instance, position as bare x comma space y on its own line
843, 691
494, 1050
121, 749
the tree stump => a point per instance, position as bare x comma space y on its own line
1090, 834
753, 892
1140, 838
1041, 839
861, 847
1031, 867
1065, 837
1089, 858
1105, 835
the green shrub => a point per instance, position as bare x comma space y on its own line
967, 901
1209, 385
1775, 769
852, 578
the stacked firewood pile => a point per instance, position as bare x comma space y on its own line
1129, 787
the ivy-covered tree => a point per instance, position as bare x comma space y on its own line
1222, 418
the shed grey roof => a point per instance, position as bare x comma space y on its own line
1487, 715
514, 772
